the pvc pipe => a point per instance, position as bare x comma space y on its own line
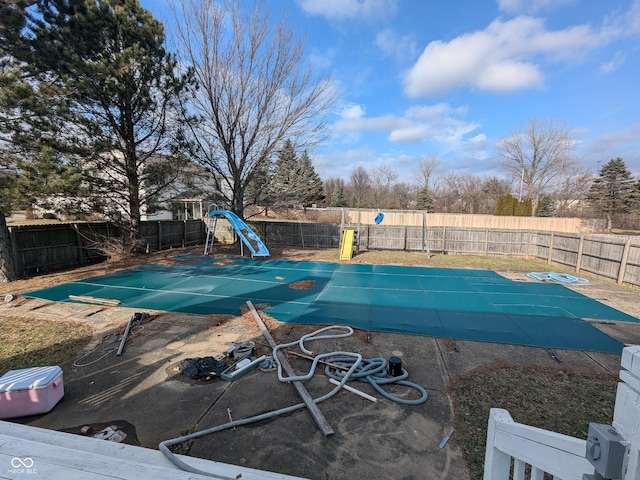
126, 334
355, 390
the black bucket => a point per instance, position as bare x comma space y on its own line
395, 366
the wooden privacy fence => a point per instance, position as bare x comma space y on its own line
609, 256
357, 217
39, 248
42, 248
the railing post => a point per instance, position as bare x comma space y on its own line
497, 464
626, 414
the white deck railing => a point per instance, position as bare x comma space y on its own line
560, 455
512, 446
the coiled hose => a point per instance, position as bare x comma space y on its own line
374, 371
370, 370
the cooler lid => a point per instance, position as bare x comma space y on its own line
28, 378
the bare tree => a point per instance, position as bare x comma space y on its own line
359, 187
427, 165
256, 90
492, 189
537, 155
383, 178
403, 196
463, 193
569, 194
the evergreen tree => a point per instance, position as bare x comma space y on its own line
612, 192
508, 205
523, 208
282, 181
307, 182
13, 90
109, 87
425, 201
49, 183
545, 207
338, 198
294, 181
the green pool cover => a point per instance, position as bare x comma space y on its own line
440, 302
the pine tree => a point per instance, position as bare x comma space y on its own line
308, 183
425, 201
110, 88
611, 193
49, 183
338, 198
281, 188
545, 207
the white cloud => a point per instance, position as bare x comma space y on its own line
530, 6
633, 18
349, 9
506, 56
419, 123
509, 77
616, 62
623, 143
352, 111
402, 47
340, 163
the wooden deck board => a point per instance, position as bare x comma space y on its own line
58, 455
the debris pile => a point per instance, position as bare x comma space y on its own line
205, 368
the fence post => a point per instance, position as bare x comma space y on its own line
159, 235
79, 247
579, 259
13, 263
623, 261
424, 233
358, 231
486, 242
550, 256
444, 236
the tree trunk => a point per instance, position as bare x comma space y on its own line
7, 264
133, 179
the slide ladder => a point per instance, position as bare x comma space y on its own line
247, 236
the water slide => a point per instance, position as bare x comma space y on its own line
248, 236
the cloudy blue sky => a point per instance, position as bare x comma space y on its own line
450, 79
